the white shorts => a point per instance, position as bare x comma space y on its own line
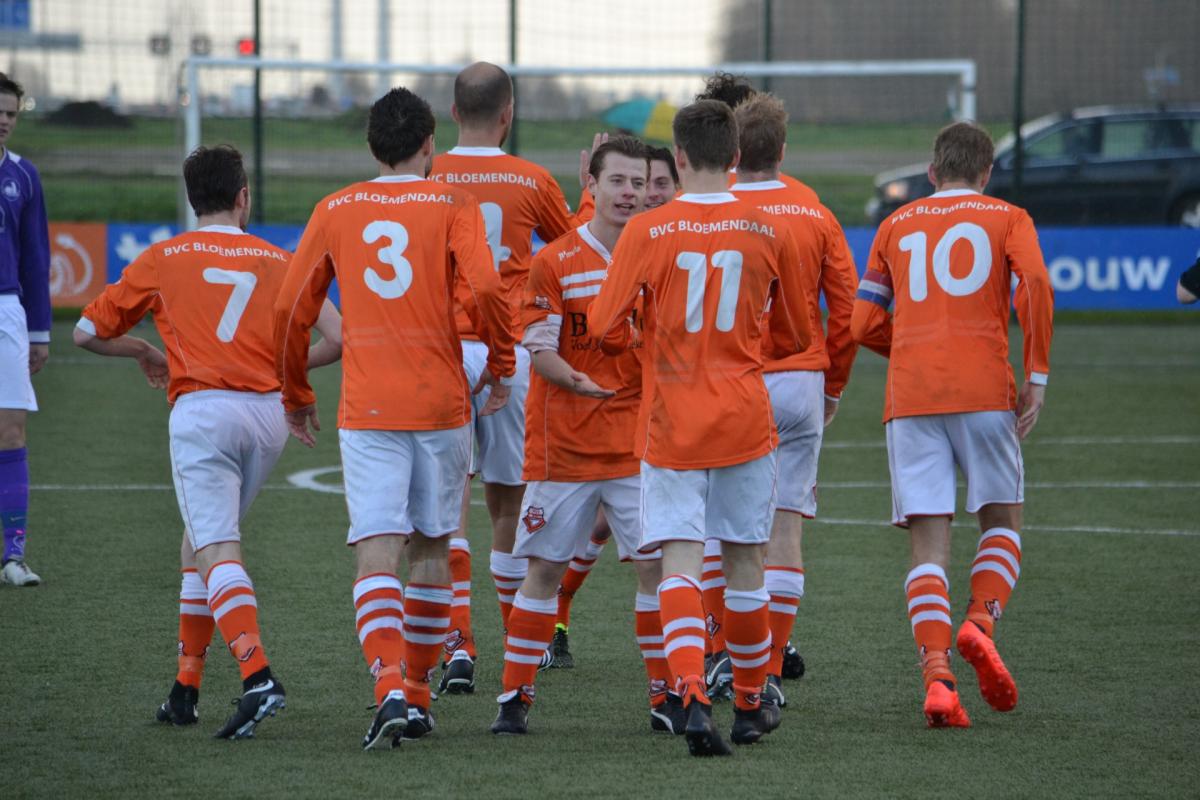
923, 450
798, 404
557, 518
223, 446
404, 481
733, 504
500, 437
16, 389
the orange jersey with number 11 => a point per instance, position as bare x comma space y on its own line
212, 293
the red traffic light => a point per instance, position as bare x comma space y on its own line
245, 46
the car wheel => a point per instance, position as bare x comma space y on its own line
1187, 212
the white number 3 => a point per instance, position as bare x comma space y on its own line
243, 284
393, 255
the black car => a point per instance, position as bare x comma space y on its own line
1094, 166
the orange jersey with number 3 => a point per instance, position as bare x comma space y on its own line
397, 245
948, 262
710, 266
517, 197
212, 293
569, 437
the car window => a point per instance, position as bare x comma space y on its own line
1066, 142
1142, 138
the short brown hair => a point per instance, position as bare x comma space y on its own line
762, 132
664, 155
708, 133
621, 145
732, 90
213, 176
9, 86
962, 151
481, 92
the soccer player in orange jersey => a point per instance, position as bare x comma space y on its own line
580, 421
708, 267
947, 262
805, 386
661, 187
398, 246
517, 198
211, 292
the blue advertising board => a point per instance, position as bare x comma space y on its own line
1095, 269
14, 15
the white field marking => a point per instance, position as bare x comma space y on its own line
874, 523
1051, 440
1049, 485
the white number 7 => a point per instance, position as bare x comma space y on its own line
243, 284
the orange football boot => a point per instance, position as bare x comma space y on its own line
995, 683
942, 709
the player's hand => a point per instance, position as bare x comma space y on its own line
38, 355
1030, 400
298, 422
831, 408
496, 398
154, 366
585, 158
582, 384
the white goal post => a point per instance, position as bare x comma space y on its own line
962, 69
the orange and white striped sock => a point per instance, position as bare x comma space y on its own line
649, 631
682, 612
196, 625
748, 641
379, 617
235, 609
576, 574
530, 629
928, 593
426, 619
712, 584
508, 573
460, 636
786, 587
993, 576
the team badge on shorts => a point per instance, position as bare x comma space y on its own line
534, 519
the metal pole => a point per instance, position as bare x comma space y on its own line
384, 45
337, 87
512, 59
191, 134
767, 26
1019, 106
259, 205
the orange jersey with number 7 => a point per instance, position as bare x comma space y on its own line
212, 293
397, 245
948, 261
711, 266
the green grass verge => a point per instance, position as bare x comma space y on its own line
1100, 634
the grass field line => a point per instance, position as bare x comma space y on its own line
1059, 441
1037, 528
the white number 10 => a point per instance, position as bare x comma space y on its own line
981, 261
696, 266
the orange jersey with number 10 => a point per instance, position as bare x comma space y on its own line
517, 198
710, 266
212, 293
948, 261
397, 245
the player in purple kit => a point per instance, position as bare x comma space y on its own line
24, 329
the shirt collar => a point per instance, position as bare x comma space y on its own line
397, 179
475, 151
221, 229
594, 243
757, 186
709, 198
954, 193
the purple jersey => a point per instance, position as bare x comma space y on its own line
25, 243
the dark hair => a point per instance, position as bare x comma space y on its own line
621, 145
481, 92
399, 123
9, 86
213, 176
962, 151
732, 90
707, 132
762, 132
664, 154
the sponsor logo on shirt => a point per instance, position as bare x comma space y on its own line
9, 189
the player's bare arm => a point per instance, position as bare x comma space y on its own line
551, 366
329, 349
149, 358
39, 354
303, 424
1030, 400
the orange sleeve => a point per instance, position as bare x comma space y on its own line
619, 292
554, 218
791, 300
473, 258
123, 304
870, 322
297, 307
1034, 297
543, 291
587, 208
839, 282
